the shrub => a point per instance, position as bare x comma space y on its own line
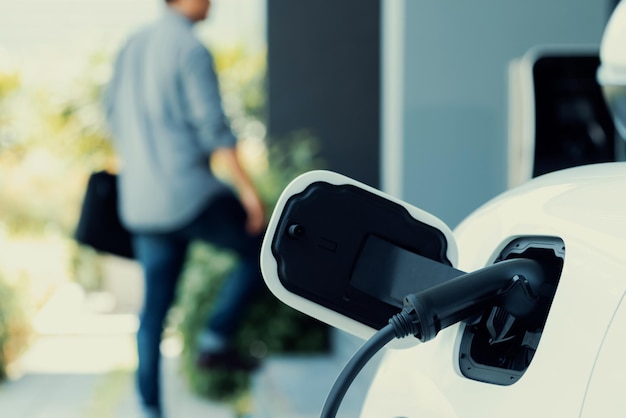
269, 326
15, 330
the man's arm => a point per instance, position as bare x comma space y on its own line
207, 116
247, 192
204, 103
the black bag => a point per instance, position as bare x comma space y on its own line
99, 225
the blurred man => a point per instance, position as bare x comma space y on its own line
164, 109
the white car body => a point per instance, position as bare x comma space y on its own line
579, 369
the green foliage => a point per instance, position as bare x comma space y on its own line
51, 137
269, 326
242, 79
15, 330
287, 158
9, 82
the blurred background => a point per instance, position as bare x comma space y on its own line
444, 105
67, 313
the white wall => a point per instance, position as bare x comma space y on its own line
70, 27
444, 143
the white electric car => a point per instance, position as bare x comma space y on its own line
346, 254
574, 364
578, 368
517, 313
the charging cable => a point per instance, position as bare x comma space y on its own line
512, 284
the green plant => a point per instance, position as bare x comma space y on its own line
15, 330
51, 137
269, 326
45, 164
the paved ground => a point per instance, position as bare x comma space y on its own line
91, 377
81, 366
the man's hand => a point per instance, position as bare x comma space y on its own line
255, 222
248, 195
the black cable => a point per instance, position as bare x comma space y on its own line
514, 282
400, 325
354, 366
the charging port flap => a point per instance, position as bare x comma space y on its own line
346, 254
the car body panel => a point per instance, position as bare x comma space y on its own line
586, 208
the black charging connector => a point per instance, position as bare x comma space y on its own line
513, 285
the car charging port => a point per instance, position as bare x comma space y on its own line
498, 347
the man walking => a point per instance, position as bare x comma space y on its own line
164, 109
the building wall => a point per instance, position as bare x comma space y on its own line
447, 142
324, 77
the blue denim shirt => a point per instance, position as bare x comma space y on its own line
164, 110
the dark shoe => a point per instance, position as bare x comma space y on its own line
229, 360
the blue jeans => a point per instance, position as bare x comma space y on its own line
162, 256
